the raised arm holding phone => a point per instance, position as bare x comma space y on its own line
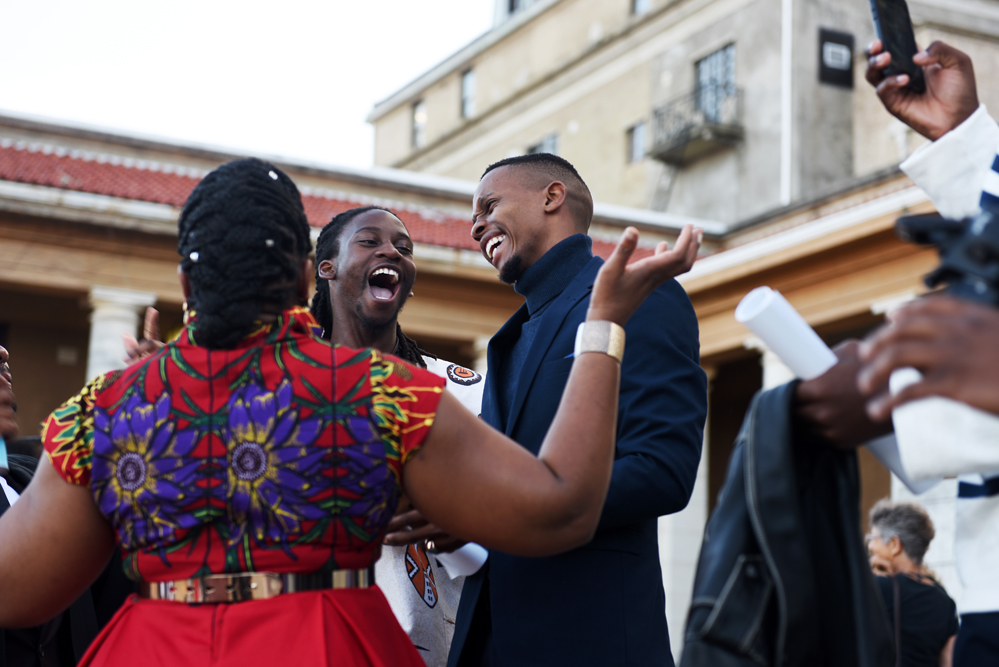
951, 341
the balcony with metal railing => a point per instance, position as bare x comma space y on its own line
697, 124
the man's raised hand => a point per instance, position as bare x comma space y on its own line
950, 95
621, 288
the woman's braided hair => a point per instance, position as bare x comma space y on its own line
243, 239
328, 247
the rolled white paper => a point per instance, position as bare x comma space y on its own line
767, 314
940, 437
464, 561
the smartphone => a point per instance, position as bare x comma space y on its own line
894, 28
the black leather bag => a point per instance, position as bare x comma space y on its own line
782, 578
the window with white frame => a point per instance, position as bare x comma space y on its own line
715, 82
636, 142
640, 6
419, 124
547, 145
468, 93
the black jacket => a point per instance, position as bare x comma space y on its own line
603, 603
783, 577
63, 640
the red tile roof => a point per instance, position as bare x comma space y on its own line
161, 183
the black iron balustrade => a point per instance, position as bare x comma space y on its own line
697, 124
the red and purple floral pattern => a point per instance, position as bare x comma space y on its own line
283, 454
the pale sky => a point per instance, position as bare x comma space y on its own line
294, 78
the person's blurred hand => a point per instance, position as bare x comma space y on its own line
8, 423
880, 566
411, 527
952, 342
832, 407
5, 365
950, 95
151, 342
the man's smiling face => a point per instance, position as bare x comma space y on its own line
373, 271
509, 223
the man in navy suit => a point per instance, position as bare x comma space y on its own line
601, 604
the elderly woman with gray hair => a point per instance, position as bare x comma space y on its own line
922, 614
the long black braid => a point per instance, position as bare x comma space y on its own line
328, 247
243, 238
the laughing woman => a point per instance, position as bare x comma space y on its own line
248, 469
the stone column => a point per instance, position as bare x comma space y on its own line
680, 538
481, 345
114, 312
775, 371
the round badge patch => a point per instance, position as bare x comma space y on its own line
461, 375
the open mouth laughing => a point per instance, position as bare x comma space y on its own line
383, 283
490, 246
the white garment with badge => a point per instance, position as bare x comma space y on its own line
423, 597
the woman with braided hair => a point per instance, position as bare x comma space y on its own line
249, 468
364, 273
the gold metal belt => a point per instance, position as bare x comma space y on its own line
222, 588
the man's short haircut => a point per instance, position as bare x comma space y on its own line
540, 169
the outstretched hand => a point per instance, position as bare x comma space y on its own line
950, 95
621, 288
8, 422
950, 341
151, 342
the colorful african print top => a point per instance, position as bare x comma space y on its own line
283, 454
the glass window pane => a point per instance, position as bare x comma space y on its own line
715, 82
468, 94
419, 123
547, 145
636, 142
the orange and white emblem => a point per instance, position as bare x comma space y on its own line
461, 375
419, 572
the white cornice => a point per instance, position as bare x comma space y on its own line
796, 236
59, 204
653, 220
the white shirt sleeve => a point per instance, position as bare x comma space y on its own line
11, 494
885, 450
953, 169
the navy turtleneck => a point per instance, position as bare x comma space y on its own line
539, 285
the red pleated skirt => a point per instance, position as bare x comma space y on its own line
349, 627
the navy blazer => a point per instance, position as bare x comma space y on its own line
603, 603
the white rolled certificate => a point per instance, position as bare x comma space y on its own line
940, 437
464, 561
767, 314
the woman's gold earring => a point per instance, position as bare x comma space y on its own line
185, 312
